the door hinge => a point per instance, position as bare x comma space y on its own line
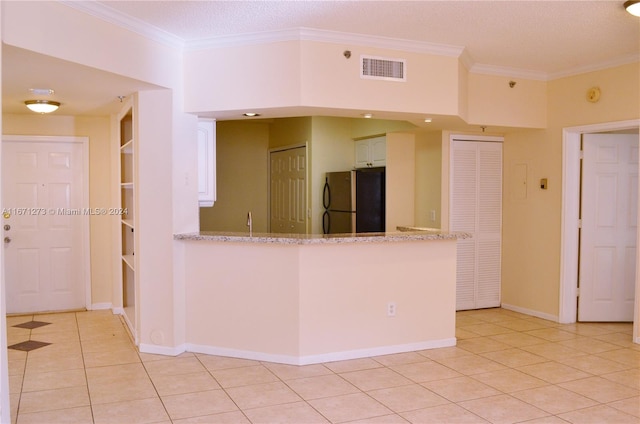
579, 223
581, 154
577, 291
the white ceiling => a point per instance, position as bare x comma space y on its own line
541, 39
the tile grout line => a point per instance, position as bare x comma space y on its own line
84, 367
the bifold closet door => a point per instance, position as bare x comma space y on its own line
476, 208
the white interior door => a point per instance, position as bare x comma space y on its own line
609, 205
476, 209
288, 193
44, 223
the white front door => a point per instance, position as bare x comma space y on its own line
609, 205
288, 193
44, 223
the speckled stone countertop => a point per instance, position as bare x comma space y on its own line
404, 234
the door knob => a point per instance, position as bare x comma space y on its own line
7, 240
7, 227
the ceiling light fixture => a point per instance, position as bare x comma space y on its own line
633, 7
368, 115
251, 114
428, 120
42, 106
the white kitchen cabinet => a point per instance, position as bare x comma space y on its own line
206, 162
371, 152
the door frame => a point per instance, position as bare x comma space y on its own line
85, 225
569, 244
306, 158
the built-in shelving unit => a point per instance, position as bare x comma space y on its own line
127, 221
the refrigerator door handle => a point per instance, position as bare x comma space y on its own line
326, 222
326, 194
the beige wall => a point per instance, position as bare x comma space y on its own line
531, 225
428, 164
98, 131
401, 180
242, 180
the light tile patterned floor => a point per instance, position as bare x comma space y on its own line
507, 367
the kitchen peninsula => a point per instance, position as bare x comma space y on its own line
303, 299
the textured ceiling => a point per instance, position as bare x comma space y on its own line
548, 37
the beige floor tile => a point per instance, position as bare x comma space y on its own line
260, 395
222, 362
47, 400
400, 358
425, 371
197, 404
119, 383
598, 415
81, 415
352, 365
630, 378
481, 345
461, 389
600, 389
102, 345
589, 345
593, 365
53, 380
56, 337
321, 386
244, 376
487, 329
140, 411
385, 419
174, 366
44, 363
449, 413
462, 334
17, 366
378, 378
522, 325
554, 372
149, 357
289, 372
627, 357
110, 357
552, 334
235, 417
503, 409
15, 383
184, 383
352, 407
290, 413
553, 351
444, 352
586, 329
554, 399
629, 406
518, 339
407, 398
509, 380
514, 357
471, 364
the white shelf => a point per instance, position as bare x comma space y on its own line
128, 259
127, 147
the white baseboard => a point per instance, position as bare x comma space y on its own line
100, 306
319, 358
118, 310
537, 314
162, 350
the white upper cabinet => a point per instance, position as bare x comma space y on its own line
206, 162
371, 152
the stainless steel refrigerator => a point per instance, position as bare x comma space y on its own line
354, 201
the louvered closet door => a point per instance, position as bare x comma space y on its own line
476, 208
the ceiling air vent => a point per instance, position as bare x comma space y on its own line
381, 68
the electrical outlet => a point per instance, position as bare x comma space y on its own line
391, 309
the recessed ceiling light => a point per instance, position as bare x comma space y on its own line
427, 120
42, 106
633, 7
367, 115
251, 114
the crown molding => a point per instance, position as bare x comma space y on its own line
624, 60
503, 71
130, 23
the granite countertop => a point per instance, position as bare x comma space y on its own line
405, 234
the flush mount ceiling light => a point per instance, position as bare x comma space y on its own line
367, 115
633, 7
428, 120
42, 106
251, 114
